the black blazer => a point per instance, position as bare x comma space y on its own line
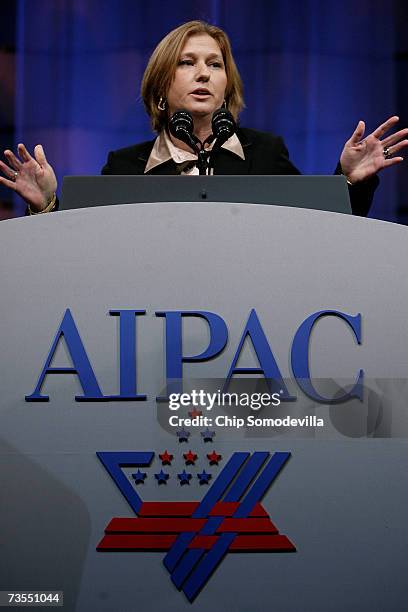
264, 154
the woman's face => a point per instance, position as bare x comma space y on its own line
200, 80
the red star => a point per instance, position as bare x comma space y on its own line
195, 413
166, 458
190, 458
214, 458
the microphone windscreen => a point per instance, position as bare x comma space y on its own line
181, 126
223, 125
181, 122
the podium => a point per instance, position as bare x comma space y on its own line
341, 497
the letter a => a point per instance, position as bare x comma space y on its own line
268, 366
82, 367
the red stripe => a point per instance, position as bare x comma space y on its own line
136, 542
228, 509
164, 542
187, 508
264, 543
247, 543
247, 525
154, 525
178, 525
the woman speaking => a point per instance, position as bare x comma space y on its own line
192, 69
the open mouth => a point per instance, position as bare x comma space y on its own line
201, 93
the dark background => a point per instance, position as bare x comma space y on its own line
70, 74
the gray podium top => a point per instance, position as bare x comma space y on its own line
338, 499
316, 192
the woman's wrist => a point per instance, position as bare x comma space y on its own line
49, 206
347, 179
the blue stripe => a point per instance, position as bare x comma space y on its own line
192, 557
186, 565
251, 468
261, 485
207, 503
211, 525
220, 485
114, 461
194, 579
204, 570
177, 550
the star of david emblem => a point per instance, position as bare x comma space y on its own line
196, 535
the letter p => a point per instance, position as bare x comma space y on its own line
174, 344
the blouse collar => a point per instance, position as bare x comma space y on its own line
164, 149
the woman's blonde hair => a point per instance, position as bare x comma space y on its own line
163, 62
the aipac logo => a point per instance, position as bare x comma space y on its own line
196, 535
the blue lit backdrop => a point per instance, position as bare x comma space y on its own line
311, 69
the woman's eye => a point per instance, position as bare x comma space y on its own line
185, 62
216, 65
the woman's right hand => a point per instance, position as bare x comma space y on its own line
31, 177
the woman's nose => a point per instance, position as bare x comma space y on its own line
203, 72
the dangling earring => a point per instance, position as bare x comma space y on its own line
224, 104
162, 104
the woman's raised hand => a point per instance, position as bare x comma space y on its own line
31, 177
363, 157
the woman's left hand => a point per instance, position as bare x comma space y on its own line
363, 157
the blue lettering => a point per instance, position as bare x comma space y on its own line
300, 357
174, 352
268, 366
127, 357
82, 367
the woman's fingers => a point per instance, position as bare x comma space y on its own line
40, 155
11, 174
384, 127
400, 145
392, 161
7, 183
23, 153
13, 160
393, 138
358, 133
25, 156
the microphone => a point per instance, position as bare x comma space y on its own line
223, 127
181, 126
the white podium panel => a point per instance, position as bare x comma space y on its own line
340, 499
